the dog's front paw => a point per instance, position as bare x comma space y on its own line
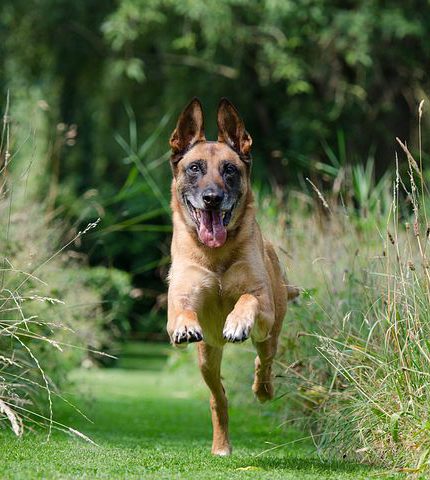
237, 328
187, 334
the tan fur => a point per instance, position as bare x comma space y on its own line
236, 287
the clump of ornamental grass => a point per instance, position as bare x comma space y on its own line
355, 354
40, 339
47, 324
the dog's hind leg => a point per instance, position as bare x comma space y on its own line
263, 381
210, 366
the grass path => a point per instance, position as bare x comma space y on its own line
154, 424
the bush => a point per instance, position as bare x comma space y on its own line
54, 309
46, 322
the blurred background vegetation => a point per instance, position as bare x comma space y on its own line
96, 88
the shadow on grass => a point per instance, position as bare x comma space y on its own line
301, 463
178, 424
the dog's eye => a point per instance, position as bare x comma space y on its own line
230, 169
194, 168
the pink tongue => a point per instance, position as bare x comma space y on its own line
212, 231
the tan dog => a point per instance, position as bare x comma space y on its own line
226, 283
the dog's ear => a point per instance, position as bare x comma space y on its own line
189, 129
231, 130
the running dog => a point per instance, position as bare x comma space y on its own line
225, 281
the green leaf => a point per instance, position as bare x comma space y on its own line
394, 426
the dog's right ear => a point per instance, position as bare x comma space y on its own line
189, 130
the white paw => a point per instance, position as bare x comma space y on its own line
221, 451
237, 329
187, 334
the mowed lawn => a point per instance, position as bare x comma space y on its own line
153, 422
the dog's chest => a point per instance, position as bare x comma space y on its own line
216, 303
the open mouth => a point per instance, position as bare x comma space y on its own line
211, 224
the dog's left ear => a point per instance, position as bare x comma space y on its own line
231, 130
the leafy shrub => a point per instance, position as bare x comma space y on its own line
46, 321
54, 309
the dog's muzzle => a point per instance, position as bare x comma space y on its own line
211, 223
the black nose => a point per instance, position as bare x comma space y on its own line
212, 198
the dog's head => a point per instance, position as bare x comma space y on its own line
211, 179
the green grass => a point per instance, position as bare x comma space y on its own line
155, 423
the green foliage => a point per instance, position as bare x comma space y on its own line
355, 184
300, 72
114, 289
353, 359
47, 323
55, 311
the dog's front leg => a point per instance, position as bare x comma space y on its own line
183, 326
252, 315
185, 295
